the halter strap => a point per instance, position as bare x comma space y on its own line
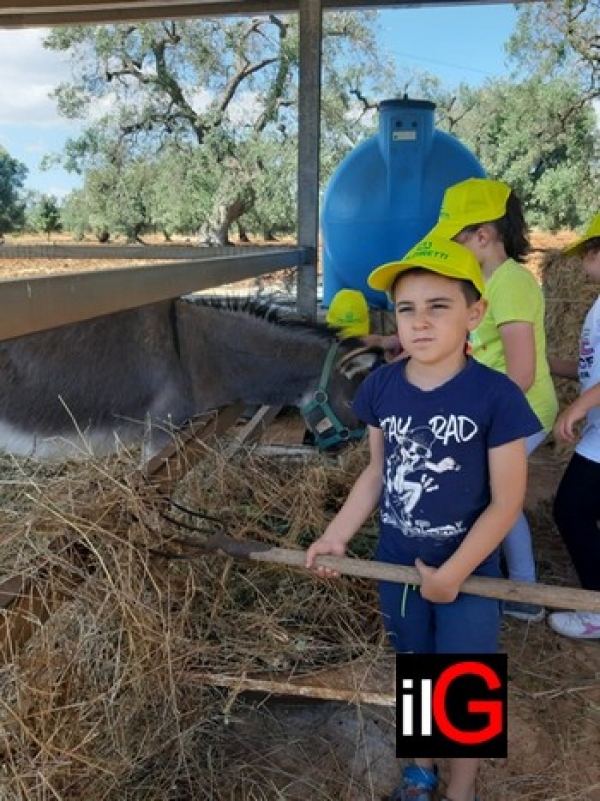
320, 417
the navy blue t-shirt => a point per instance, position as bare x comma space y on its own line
436, 477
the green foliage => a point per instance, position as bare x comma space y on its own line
522, 135
76, 217
45, 216
216, 97
12, 206
559, 38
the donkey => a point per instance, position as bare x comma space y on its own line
136, 375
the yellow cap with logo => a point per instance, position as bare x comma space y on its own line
476, 200
349, 312
592, 232
433, 253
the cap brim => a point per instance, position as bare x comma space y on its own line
383, 277
593, 232
445, 229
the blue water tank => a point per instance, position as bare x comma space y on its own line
386, 195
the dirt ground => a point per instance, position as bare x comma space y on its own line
330, 751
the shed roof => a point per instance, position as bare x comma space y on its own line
40, 13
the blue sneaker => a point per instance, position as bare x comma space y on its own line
418, 784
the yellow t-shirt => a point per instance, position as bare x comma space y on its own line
514, 295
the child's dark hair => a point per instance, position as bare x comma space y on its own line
511, 228
469, 290
591, 246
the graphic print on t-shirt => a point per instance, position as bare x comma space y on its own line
415, 468
586, 354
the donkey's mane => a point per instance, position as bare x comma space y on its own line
267, 311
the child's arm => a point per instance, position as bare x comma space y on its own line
564, 426
518, 342
359, 505
563, 368
508, 479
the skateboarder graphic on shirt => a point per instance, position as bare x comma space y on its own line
404, 488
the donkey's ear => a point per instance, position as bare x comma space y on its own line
359, 362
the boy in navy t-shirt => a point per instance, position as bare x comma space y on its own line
447, 468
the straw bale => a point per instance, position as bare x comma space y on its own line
569, 295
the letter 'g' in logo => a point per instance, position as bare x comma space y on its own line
451, 705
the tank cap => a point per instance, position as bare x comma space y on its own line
406, 103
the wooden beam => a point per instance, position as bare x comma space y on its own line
363, 681
253, 430
173, 461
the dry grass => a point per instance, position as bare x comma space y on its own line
104, 702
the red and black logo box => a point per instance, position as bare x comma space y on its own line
451, 705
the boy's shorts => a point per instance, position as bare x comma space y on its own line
470, 624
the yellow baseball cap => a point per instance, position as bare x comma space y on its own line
349, 312
433, 253
476, 200
592, 232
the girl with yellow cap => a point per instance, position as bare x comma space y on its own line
486, 217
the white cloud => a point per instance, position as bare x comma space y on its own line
28, 73
30, 126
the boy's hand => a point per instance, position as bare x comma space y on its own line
324, 545
433, 586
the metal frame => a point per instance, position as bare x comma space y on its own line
29, 305
93, 12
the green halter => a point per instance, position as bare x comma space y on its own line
320, 417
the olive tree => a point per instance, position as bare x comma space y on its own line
218, 96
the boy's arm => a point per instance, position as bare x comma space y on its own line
564, 426
358, 507
508, 480
563, 368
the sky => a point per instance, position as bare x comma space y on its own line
456, 44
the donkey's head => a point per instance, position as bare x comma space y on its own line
327, 412
251, 351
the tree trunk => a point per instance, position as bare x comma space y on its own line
214, 232
242, 233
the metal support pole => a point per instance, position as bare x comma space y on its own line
309, 129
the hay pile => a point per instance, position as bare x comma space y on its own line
569, 295
104, 700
